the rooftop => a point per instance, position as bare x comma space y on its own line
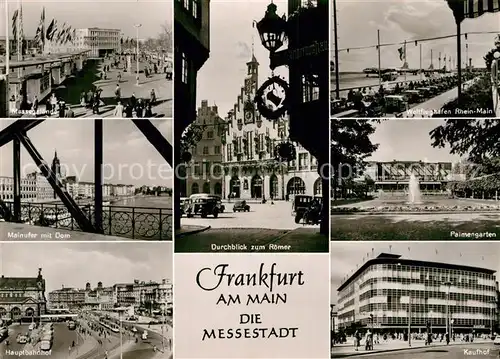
18, 282
388, 258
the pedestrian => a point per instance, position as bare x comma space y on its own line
82, 99
119, 77
152, 97
357, 339
90, 96
48, 107
118, 93
129, 111
95, 107
133, 100
148, 113
62, 108
118, 113
69, 112
139, 108
34, 107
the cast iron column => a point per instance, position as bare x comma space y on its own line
17, 180
98, 159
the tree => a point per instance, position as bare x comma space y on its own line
488, 58
479, 139
350, 146
165, 38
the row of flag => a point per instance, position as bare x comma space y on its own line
53, 32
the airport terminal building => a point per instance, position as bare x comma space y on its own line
391, 290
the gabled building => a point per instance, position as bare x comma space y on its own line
250, 165
22, 297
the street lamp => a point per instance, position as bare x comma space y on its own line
448, 284
163, 309
120, 312
493, 302
271, 29
137, 26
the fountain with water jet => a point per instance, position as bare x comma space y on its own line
414, 195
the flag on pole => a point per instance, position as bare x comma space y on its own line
51, 30
20, 31
402, 53
40, 31
14, 25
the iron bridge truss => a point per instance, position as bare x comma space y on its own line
17, 132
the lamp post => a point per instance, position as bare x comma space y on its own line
120, 313
493, 303
137, 26
409, 319
448, 285
164, 323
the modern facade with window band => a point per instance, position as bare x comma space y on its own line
391, 290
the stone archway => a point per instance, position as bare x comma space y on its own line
218, 188
195, 188
318, 187
256, 187
273, 186
15, 313
3, 312
295, 185
29, 312
206, 187
234, 187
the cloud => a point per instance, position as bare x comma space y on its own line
407, 20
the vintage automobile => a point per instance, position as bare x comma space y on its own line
222, 208
395, 103
300, 204
413, 96
241, 206
203, 205
425, 91
303, 211
22, 339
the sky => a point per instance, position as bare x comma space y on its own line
345, 256
400, 20
115, 14
129, 158
231, 34
408, 140
69, 264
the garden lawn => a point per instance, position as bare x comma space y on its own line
380, 227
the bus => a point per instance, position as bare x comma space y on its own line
48, 318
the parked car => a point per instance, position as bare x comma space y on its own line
496, 341
45, 345
241, 206
203, 205
395, 103
22, 339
